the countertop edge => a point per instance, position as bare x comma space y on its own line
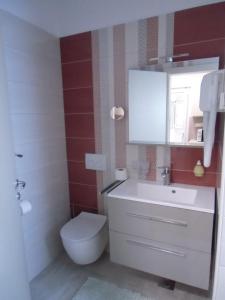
197, 209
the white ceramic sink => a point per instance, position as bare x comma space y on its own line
166, 193
175, 195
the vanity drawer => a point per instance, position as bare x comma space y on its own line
186, 228
176, 263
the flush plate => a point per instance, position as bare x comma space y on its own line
95, 161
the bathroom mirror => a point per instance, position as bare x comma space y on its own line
147, 106
164, 102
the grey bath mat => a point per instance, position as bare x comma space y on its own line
96, 289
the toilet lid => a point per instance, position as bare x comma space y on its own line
83, 227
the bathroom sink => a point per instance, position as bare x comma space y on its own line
166, 193
174, 195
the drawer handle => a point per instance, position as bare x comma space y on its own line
158, 219
139, 244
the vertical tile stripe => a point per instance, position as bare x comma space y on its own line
165, 48
107, 101
120, 92
97, 112
142, 43
131, 61
170, 34
151, 158
162, 36
152, 38
152, 52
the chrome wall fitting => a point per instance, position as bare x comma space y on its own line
117, 113
18, 196
20, 184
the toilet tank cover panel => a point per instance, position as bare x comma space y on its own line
83, 227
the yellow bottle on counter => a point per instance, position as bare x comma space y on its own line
198, 169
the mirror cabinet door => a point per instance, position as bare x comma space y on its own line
164, 106
147, 107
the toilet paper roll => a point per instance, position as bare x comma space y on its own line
25, 207
121, 174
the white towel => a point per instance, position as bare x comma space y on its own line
209, 88
209, 106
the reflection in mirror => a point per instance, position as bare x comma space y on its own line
185, 117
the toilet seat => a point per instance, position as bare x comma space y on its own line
83, 227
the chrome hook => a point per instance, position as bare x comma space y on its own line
20, 184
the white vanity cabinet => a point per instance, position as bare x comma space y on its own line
167, 241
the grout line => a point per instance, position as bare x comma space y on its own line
84, 206
191, 171
80, 183
79, 113
199, 42
76, 61
81, 138
76, 161
83, 184
50, 112
78, 88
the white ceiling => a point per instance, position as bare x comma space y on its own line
65, 17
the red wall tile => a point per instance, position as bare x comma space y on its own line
77, 75
203, 49
219, 128
76, 148
78, 100
78, 173
200, 23
187, 177
185, 158
80, 125
76, 47
79, 120
83, 195
183, 161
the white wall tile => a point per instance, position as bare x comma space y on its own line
42, 208
21, 35
40, 152
222, 252
33, 69
220, 294
36, 106
32, 127
41, 180
49, 249
28, 99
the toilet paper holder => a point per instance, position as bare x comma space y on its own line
20, 184
25, 206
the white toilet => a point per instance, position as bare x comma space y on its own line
85, 237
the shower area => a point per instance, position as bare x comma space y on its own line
35, 97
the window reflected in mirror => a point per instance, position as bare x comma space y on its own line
185, 117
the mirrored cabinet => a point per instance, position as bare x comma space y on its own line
164, 103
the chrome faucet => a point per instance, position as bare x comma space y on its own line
165, 174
